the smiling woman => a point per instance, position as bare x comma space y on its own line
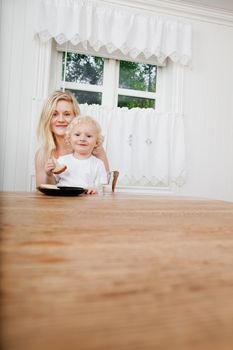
61, 117
58, 111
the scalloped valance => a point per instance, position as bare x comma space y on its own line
110, 29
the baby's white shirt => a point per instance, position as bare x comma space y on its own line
86, 173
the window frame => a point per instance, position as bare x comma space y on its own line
110, 78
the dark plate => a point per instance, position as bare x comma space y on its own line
62, 191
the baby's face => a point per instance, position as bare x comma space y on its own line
83, 138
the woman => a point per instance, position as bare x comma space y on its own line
58, 111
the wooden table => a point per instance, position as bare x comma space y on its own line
116, 272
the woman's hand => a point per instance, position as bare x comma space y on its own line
100, 153
50, 166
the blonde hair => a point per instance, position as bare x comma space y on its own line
43, 131
84, 119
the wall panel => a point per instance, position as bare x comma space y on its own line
208, 110
16, 93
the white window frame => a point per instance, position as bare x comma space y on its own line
110, 79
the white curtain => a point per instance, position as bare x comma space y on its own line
114, 31
146, 147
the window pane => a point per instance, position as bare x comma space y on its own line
131, 102
83, 68
88, 97
137, 76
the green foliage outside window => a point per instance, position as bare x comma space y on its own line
88, 97
133, 102
137, 76
83, 68
86, 69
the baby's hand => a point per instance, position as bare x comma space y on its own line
50, 166
91, 191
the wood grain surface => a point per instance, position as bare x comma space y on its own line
116, 272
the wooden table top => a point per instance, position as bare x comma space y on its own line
116, 272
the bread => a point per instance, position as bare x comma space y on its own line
59, 169
49, 186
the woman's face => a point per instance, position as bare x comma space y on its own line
61, 117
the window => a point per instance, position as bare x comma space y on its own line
83, 75
110, 82
137, 85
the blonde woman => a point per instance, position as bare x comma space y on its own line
58, 111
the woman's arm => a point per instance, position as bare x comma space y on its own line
100, 153
43, 175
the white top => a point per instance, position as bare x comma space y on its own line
86, 173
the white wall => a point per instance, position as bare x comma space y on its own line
17, 72
208, 96
208, 106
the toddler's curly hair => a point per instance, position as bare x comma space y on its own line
84, 119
